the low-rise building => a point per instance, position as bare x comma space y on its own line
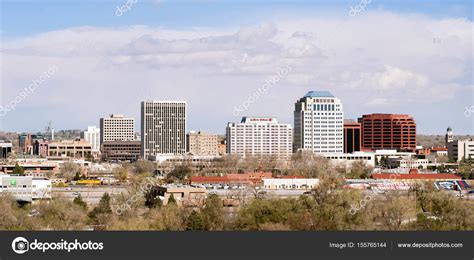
407, 163
440, 151
183, 194
70, 148
121, 150
33, 169
347, 159
290, 183
253, 179
25, 188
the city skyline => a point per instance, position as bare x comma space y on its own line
413, 62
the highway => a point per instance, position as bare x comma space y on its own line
92, 194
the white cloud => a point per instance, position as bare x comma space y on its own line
378, 57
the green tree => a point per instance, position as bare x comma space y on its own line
79, 201
180, 172
171, 200
212, 213
359, 170
152, 200
77, 176
103, 208
195, 221
18, 169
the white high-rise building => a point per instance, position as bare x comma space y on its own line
319, 123
163, 128
92, 136
117, 128
259, 136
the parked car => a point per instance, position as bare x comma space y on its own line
76, 193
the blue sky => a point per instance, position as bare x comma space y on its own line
25, 17
410, 57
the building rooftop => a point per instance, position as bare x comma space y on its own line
256, 120
313, 94
416, 176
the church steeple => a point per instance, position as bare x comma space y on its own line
449, 135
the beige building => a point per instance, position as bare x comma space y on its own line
117, 128
461, 149
200, 143
184, 195
70, 148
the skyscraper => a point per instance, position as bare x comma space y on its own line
163, 128
319, 121
117, 128
259, 136
388, 131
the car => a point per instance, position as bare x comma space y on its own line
76, 193
471, 192
69, 188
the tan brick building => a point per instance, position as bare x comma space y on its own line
200, 143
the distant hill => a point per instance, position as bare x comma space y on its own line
436, 140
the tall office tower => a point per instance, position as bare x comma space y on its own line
163, 128
388, 131
352, 136
117, 128
92, 136
259, 136
319, 123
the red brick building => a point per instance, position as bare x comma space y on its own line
388, 131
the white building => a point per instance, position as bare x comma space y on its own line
408, 163
92, 136
461, 149
259, 136
290, 183
319, 123
347, 159
117, 128
163, 128
25, 188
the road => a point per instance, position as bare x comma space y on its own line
91, 195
